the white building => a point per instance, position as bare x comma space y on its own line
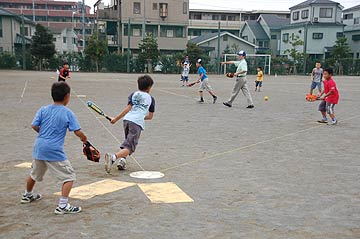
65, 40
352, 29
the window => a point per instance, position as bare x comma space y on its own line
163, 10
304, 14
1, 27
155, 6
273, 37
356, 37
2, 49
225, 38
195, 16
137, 8
326, 12
261, 44
285, 37
357, 20
348, 16
223, 17
215, 17
171, 31
318, 35
185, 8
64, 39
339, 34
231, 18
296, 15
358, 55
136, 32
26, 31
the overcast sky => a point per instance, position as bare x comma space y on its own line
242, 4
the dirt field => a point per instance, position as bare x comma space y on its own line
269, 172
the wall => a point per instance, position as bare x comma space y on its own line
247, 32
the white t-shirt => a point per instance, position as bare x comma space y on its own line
141, 103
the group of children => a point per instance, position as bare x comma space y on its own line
51, 122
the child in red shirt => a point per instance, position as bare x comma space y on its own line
329, 96
64, 73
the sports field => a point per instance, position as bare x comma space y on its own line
267, 172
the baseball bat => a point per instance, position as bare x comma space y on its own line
97, 109
192, 84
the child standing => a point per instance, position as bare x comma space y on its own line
204, 82
51, 123
259, 79
316, 77
185, 74
140, 107
64, 73
329, 97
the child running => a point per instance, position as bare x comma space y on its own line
204, 83
329, 97
259, 79
140, 107
51, 123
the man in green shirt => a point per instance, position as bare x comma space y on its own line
241, 81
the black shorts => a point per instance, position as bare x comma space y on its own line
326, 107
132, 135
258, 83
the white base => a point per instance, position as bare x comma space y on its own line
147, 175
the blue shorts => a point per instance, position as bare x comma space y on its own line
185, 78
258, 83
316, 84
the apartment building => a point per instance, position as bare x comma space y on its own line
203, 22
167, 20
351, 18
11, 38
56, 15
318, 23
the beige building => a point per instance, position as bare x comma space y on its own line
166, 20
10, 31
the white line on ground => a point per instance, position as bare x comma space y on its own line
23, 92
172, 93
252, 145
106, 128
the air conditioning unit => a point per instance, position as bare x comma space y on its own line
316, 19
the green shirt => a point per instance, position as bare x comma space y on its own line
241, 66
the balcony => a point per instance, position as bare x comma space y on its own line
211, 24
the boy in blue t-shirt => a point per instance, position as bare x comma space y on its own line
204, 82
51, 123
140, 107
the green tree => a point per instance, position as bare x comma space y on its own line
149, 52
42, 46
96, 50
340, 52
297, 57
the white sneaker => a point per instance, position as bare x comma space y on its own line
332, 122
69, 209
108, 162
121, 165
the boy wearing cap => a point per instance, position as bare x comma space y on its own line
241, 81
204, 82
185, 73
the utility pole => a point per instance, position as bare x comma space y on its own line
218, 54
128, 48
83, 24
23, 41
118, 26
144, 22
33, 9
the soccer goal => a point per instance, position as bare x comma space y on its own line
253, 61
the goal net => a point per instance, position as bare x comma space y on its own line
253, 61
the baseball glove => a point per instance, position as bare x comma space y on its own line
230, 75
91, 152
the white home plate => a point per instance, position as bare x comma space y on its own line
147, 175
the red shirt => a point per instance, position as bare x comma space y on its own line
330, 86
63, 73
